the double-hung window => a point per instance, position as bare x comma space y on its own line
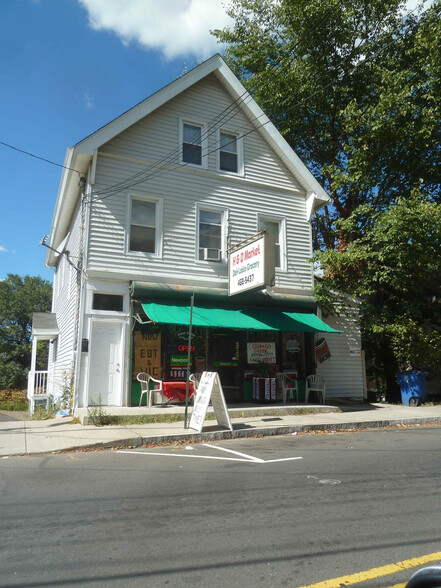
229, 152
143, 225
193, 144
210, 234
275, 228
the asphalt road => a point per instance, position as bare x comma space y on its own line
203, 516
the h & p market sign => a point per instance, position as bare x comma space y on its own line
252, 266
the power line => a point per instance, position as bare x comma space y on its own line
38, 157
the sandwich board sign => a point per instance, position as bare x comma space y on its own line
209, 388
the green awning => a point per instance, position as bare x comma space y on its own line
234, 318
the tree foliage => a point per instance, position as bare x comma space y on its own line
355, 90
393, 267
20, 297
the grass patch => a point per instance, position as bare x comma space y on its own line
41, 414
100, 418
20, 406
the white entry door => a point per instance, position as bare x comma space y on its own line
105, 369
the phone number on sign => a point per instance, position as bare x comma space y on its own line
245, 280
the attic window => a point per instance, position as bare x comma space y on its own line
194, 144
228, 152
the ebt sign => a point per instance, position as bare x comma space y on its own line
251, 266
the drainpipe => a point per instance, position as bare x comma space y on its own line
79, 301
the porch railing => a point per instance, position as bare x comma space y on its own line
37, 387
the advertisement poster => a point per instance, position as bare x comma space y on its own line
147, 354
261, 352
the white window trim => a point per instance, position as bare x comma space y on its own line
239, 146
282, 237
158, 225
224, 213
204, 143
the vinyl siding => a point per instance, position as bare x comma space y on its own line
266, 188
64, 301
343, 372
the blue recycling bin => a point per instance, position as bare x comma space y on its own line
413, 387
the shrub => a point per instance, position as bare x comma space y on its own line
13, 399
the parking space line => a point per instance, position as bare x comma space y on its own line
377, 572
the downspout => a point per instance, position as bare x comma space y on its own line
79, 301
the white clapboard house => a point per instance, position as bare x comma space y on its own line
148, 209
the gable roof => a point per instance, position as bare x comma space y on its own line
80, 156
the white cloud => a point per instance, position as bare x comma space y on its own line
89, 100
3, 249
177, 28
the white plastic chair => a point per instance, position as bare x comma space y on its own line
288, 386
145, 379
315, 383
196, 379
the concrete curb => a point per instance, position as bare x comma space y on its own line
243, 433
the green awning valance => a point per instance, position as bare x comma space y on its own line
234, 318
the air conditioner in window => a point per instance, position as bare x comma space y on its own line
211, 254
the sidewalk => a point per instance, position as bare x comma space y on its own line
25, 437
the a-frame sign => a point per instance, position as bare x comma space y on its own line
209, 388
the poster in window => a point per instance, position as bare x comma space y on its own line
147, 354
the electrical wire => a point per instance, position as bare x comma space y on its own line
38, 157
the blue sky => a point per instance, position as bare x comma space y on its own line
66, 68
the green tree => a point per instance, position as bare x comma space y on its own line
354, 89
20, 297
393, 267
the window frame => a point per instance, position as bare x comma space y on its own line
282, 236
239, 148
204, 143
159, 207
224, 217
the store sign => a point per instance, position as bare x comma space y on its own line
147, 353
261, 352
179, 360
252, 266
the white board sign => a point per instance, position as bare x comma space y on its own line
209, 388
261, 352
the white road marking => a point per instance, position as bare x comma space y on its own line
249, 457
326, 481
184, 455
282, 459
